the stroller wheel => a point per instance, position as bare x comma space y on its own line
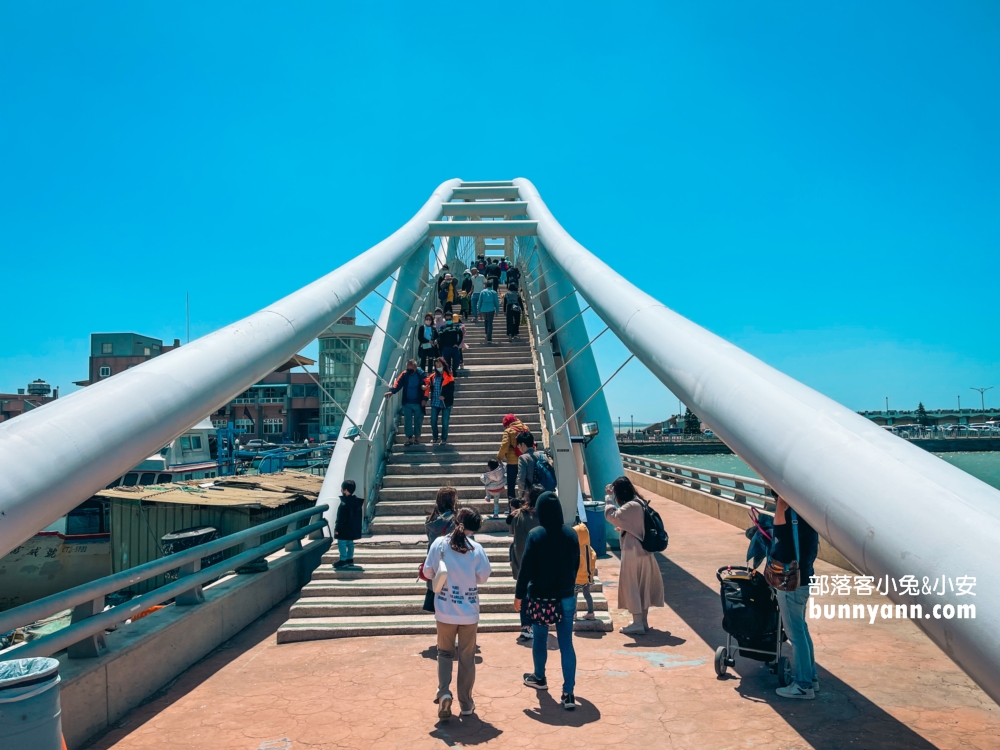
784, 671
721, 661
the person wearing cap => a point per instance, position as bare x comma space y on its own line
448, 293
466, 297
509, 451
489, 306
478, 284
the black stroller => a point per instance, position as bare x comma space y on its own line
750, 612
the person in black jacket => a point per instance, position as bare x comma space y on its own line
347, 527
427, 335
513, 306
411, 383
548, 574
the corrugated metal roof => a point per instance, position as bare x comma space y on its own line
261, 491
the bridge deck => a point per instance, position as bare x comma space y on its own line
883, 685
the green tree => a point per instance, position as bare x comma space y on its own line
922, 417
692, 425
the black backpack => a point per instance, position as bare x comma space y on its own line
654, 537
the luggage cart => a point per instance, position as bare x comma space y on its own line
750, 615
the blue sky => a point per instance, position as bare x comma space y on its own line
818, 183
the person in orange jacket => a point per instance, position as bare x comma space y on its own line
510, 451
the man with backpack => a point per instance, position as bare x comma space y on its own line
510, 451
533, 467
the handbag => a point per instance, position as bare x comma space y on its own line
545, 611
784, 576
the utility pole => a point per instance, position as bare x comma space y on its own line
886, 404
187, 314
633, 423
982, 395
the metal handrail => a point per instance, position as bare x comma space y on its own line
674, 473
88, 592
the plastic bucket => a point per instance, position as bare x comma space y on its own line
30, 716
595, 525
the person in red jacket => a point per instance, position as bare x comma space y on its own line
439, 391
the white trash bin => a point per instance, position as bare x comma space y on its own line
29, 704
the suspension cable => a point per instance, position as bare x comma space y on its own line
547, 338
631, 357
565, 364
342, 409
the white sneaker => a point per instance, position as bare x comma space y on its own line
794, 691
526, 635
633, 629
470, 711
815, 686
444, 706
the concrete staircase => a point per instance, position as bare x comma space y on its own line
380, 594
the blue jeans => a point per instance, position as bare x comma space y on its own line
453, 356
564, 634
445, 412
346, 549
793, 617
413, 419
475, 304
488, 324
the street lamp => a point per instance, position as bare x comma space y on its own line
982, 396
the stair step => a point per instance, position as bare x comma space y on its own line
411, 481
426, 495
324, 606
317, 628
415, 524
392, 587
444, 456
423, 506
411, 558
435, 469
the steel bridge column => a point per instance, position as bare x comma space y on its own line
601, 456
54, 458
889, 507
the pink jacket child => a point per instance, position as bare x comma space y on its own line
495, 481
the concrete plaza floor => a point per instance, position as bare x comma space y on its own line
883, 685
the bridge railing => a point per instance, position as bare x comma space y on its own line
741, 489
384, 427
84, 637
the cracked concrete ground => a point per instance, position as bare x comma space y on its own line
883, 685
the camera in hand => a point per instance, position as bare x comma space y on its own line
515, 503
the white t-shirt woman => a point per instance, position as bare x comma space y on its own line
456, 607
458, 601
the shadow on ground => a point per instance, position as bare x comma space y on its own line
840, 716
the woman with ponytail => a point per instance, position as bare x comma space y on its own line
456, 607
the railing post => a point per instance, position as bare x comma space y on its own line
255, 566
195, 594
712, 488
94, 644
318, 533
295, 545
738, 496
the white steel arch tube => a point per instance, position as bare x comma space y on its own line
889, 507
55, 457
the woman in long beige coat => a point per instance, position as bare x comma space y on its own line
640, 585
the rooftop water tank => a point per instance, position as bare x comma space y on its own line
39, 388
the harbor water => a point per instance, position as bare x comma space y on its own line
984, 466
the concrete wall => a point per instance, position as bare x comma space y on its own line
146, 655
733, 513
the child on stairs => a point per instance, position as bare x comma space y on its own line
495, 481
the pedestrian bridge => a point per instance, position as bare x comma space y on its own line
884, 507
